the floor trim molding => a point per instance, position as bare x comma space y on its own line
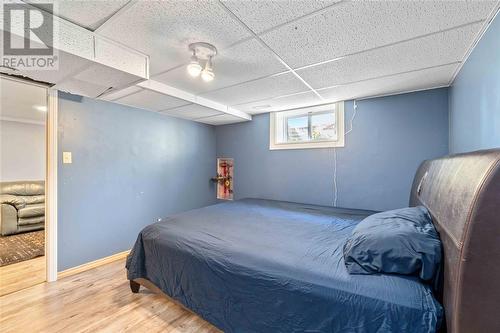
92, 264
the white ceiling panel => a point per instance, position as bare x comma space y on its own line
89, 89
307, 98
120, 57
433, 50
67, 64
424, 79
361, 25
150, 100
164, 29
350, 49
263, 15
221, 120
120, 93
89, 14
269, 87
106, 76
192, 111
240, 63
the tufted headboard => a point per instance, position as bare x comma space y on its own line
462, 193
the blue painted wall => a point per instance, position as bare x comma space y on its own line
475, 97
391, 136
129, 167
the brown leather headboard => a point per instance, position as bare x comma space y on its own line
462, 193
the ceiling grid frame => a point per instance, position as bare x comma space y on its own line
340, 57
261, 41
389, 75
126, 7
244, 40
308, 88
494, 13
389, 45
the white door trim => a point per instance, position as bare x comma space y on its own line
51, 177
51, 187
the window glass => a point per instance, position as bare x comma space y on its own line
297, 129
311, 127
323, 126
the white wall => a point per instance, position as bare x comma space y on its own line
22, 151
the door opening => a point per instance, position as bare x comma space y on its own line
25, 189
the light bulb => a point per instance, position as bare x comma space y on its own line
41, 108
207, 75
194, 67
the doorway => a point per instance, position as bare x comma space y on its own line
23, 169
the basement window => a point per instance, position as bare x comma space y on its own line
312, 127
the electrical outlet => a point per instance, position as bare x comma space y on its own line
67, 158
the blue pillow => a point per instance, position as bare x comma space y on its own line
402, 241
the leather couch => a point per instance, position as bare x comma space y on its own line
22, 206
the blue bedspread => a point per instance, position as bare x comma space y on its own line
268, 266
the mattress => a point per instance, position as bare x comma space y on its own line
268, 266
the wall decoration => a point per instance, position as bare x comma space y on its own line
224, 178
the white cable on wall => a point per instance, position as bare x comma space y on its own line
335, 188
355, 106
335, 191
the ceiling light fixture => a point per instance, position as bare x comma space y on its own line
204, 52
41, 108
207, 74
194, 67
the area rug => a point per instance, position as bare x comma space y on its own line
21, 247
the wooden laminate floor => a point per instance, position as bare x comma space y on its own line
21, 275
98, 300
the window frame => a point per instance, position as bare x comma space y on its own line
309, 111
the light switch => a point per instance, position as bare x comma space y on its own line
67, 157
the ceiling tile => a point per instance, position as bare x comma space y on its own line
106, 76
150, 100
221, 120
263, 15
85, 88
269, 87
433, 50
423, 79
67, 65
307, 98
361, 25
120, 93
164, 29
240, 63
89, 14
191, 111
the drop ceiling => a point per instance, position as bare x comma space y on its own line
276, 55
84, 63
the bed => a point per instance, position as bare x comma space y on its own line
268, 266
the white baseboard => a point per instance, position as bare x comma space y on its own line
92, 264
